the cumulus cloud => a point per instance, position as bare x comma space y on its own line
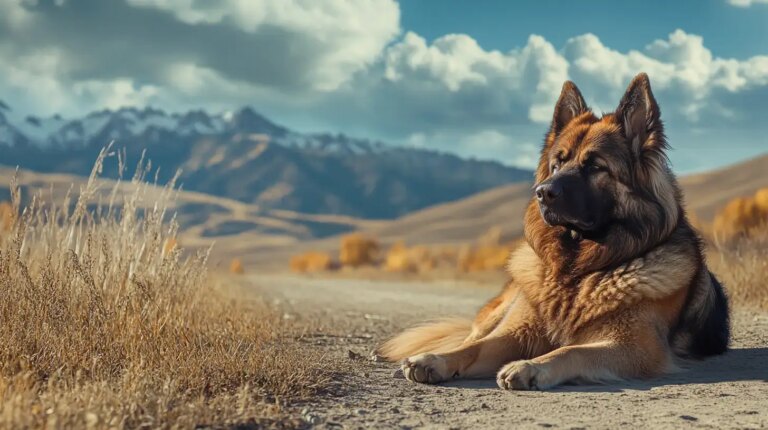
293, 48
684, 73
345, 35
746, 3
453, 84
450, 85
13, 13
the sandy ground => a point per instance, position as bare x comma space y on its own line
730, 391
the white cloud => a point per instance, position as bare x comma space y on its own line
746, 3
455, 69
37, 80
346, 35
13, 13
506, 148
683, 72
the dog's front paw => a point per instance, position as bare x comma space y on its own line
426, 368
523, 375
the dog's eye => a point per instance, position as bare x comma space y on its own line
594, 167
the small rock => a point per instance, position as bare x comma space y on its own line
373, 317
394, 411
484, 406
688, 418
376, 358
360, 412
398, 374
353, 355
310, 417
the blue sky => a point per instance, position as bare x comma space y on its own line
478, 78
738, 32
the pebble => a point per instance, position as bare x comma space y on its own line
310, 417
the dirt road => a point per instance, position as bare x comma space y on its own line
725, 392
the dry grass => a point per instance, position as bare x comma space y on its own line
738, 248
742, 217
102, 324
742, 266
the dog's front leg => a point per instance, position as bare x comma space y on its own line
475, 359
594, 362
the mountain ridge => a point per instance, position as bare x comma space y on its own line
246, 156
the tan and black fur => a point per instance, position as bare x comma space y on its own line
611, 282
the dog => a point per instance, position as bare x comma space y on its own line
611, 281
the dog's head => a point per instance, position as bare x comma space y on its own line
599, 177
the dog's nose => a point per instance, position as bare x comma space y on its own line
547, 193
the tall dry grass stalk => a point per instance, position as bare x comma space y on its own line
742, 266
103, 325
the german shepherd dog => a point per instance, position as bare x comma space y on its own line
611, 282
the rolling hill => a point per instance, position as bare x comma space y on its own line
464, 220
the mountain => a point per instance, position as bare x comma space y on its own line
244, 156
503, 207
465, 220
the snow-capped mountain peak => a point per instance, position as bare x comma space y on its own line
150, 125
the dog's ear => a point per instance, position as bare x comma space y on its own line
639, 116
570, 105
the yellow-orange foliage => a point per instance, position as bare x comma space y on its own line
236, 267
742, 216
312, 261
358, 250
484, 257
761, 198
400, 258
7, 216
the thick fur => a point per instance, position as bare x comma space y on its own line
611, 283
436, 337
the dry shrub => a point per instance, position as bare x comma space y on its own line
236, 267
741, 216
312, 261
761, 198
742, 266
101, 328
483, 257
488, 254
358, 250
7, 216
401, 258
447, 254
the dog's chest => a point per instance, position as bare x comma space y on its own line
564, 309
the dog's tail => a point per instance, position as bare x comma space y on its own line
436, 337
